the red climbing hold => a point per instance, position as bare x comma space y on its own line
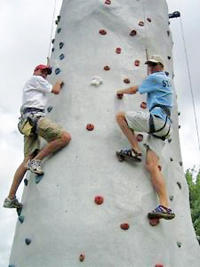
160, 168
149, 19
133, 33
143, 105
119, 96
106, 68
139, 137
102, 32
118, 50
98, 200
141, 23
137, 63
159, 265
126, 80
108, 2
90, 127
82, 257
124, 226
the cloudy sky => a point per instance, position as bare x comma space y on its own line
25, 28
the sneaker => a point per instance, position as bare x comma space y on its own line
34, 166
12, 203
161, 212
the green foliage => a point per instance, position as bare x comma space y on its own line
193, 181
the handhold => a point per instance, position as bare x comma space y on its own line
118, 50
56, 22
120, 96
149, 19
179, 113
141, 23
179, 244
96, 81
171, 159
179, 126
58, 18
159, 265
58, 30
169, 140
139, 137
90, 127
179, 185
171, 198
49, 109
143, 105
160, 168
38, 178
169, 57
25, 182
168, 33
57, 71
21, 218
61, 44
27, 241
99, 200
137, 63
53, 40
53, 49
108, 2
106, 68
133, 33
62, 56
181, 163
126, 80
167, 73
102, 32
82, 257
124, 226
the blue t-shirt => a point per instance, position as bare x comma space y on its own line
159, 91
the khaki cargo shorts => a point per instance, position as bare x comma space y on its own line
45, 129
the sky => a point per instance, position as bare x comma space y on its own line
25, 30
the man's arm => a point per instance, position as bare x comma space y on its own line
130, 91
57, 87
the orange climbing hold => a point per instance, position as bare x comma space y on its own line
124, 226
126, 80
139, 137
99, 200
141, 23
106, 68
137, 63
82, 257
102, 32
143, 105
118, 50
90, 127
133, 33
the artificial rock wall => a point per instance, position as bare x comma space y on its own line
101, 46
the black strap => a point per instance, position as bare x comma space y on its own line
27, 110
164, 108
152, 129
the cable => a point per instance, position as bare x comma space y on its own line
52, 27
190, 83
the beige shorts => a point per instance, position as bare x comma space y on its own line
45, 129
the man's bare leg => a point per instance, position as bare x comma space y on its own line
157, 179
129, 133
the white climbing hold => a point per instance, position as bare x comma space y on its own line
96, 81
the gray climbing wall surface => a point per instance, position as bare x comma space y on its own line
89, 209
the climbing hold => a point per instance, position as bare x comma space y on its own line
61, 44
25, 182
169, 140
58, 18
171, 198
58, 30
96, 81
137, 63
53, 49
120, 96
141, 23
169, 57
62, 56
57, 71
181, 163
124, 226
90, 127
149, 19
143, 105
139, 137
53, 40
171, 159
160, 168
21, 218
179, 126
27, 241
99, 200
133, 33
49, 109
179, 244
102, 32
38, 178
82, 257
108, 2
167, 73
126, 80
168, 33
159, 265
179, 113
118, 50
106, 68
179, 185
11, 265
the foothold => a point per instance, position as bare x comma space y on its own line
102, 32
28, 241
124, 226
106, 68
137, 63
99, 200
120, 96
58, 18
25, 182
181, 163
61, 44
179, 126
82, 257
62, 56
171, 198
133, 33
139, 137
96, 81
179, 185
90, 127
179, 113
179, 244
58, 30
38, 178
141, 23
169, 140
149, 19
53, 40
108, 2
154, 222
21, 219
159, 265
57, 71
118, 50
169, 57
168, 33
160, 168
49, 109
53, 49
167, 73
126, 80
171, 159
143, 105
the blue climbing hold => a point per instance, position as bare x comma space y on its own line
21, 218
57, 71
61, 44
27, 241
58, 30
25, 182
62, 56
38, 178
49, 109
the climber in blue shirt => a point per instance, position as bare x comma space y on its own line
156, 122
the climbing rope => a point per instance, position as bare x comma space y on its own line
190, 83
52, 27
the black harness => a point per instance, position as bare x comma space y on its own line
152, 130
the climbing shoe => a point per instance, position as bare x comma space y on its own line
34, 166
161, 212
129, 154
12, 203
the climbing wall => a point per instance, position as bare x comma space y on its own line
89, 209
